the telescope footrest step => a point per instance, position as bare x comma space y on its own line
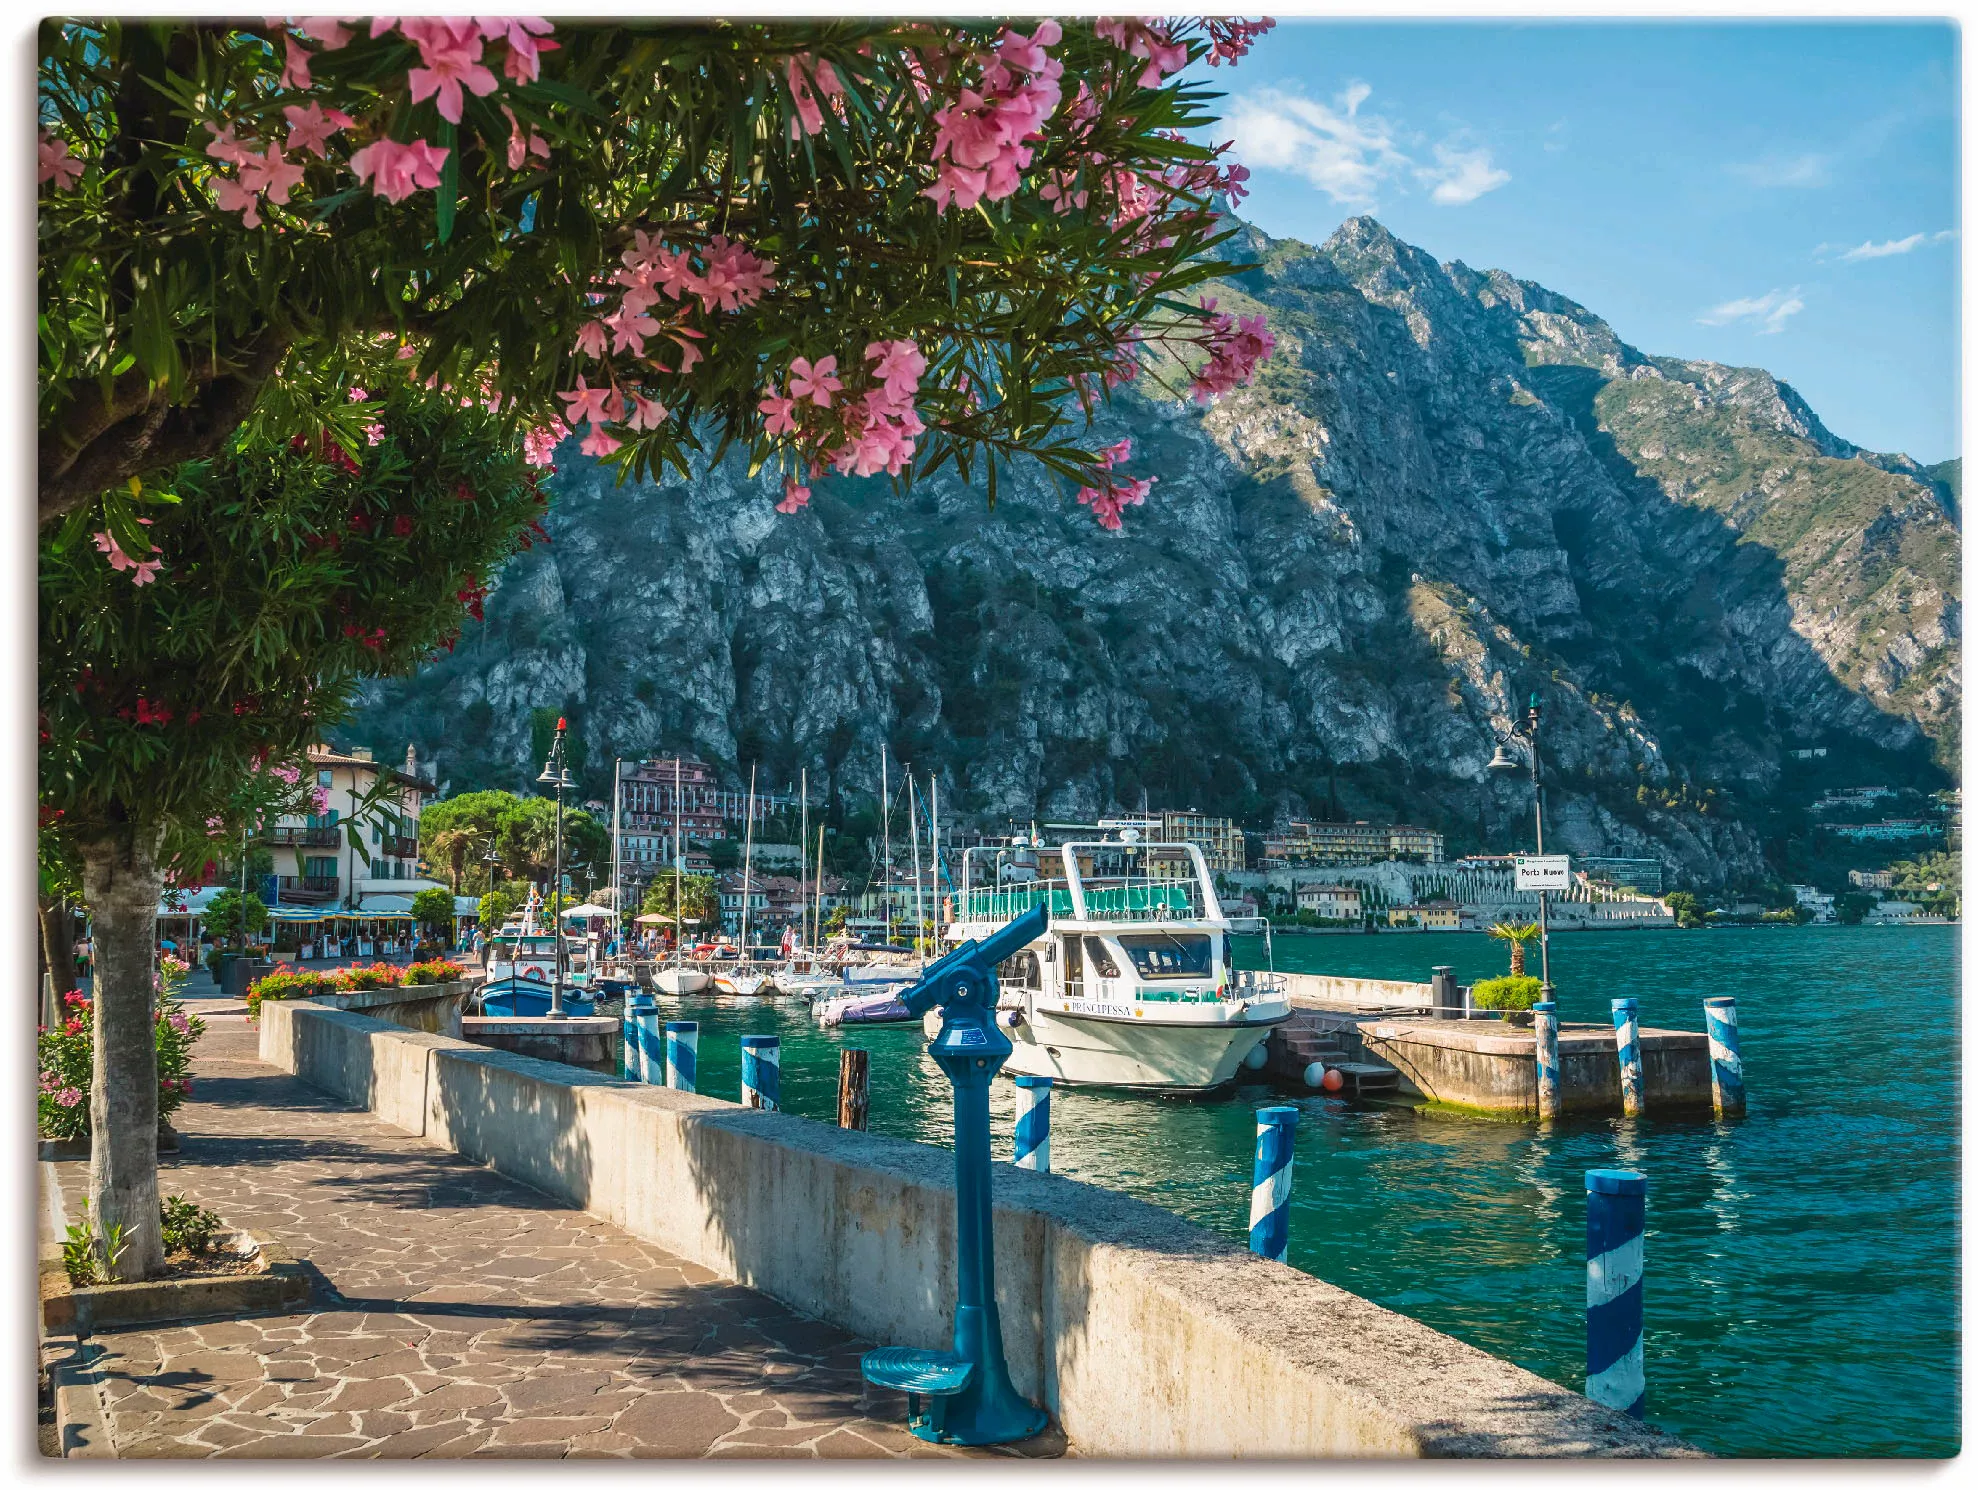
928, 1377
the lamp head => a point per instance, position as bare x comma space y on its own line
1502, 761
548, 778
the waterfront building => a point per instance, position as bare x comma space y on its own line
1331, 902
315, 864
1809, 899
1853, 798
706, 811
1889, 830
1220, 840
1301, 842
1643, 874
1440, 915
1870, 879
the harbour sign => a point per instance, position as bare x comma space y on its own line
1542, 872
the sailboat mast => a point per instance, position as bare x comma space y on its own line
913, 837
817, 916
617, 789
748, 856
678, 862
934, 844
886, 838
803, 865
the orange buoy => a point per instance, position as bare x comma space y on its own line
1333, 1081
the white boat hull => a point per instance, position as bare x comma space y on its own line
679, 980
1079, 1050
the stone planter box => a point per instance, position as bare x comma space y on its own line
432, 1008
50, 1149
277, 1283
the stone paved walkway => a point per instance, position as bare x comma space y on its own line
459, 1314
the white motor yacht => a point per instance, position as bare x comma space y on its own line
1132, 984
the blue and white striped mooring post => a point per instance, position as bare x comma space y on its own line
683, 1044
1545, 1052
1627, 1045
762, 1070
1616, 1200
1270, 1184
1720, 1022
1033, 1123
641, 1031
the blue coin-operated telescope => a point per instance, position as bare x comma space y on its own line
964, 1395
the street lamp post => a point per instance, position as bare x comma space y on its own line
1525, 731
555, 775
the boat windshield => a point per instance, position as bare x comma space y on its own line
1170, 954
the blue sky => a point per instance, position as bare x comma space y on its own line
1780, 195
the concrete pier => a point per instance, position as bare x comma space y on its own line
1490, 1065
1142, 1334
587, 1041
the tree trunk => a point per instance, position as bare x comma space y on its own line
1517, 959
58, 942
122, 882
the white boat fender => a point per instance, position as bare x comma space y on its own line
1010, 1019
1258, 1058
1315, 1074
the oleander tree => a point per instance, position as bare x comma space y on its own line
877, 246
176, 697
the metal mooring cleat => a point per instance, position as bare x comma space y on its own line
964, 1396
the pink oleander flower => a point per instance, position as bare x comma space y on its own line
980, 147
629, 330
647, 413
295, 67
521, 146
395, 171
1108, 500
224, 146
179, 1022
143, 572
1231, 39
539, 444
327, 30
270, 172
781, 412
598, 442
732, 278
586, 402
288, 773
53, 162
231, 196
68, 1096
802, 72
816, 383
358, 395
310, 128
1148, 39
795, 496
520, 33
319, 799
450, 47
373, 432
592, 339
689, 353
1114, 455
898, 365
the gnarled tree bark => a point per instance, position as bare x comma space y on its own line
122, 883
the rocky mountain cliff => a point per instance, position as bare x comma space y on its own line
1450, 488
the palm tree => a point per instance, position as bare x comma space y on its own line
449, 845
1517, 933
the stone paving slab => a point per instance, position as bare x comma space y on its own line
459, 1314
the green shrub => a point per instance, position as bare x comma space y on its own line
1505, 993
188, 1228
65, 1054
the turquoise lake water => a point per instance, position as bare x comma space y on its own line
1802, 1263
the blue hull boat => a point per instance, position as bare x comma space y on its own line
528, 998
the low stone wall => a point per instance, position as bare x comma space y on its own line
583, 1040
1143, 1335
1363, 993
1490, 1066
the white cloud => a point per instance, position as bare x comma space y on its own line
1348, 155
1809, 169
1771, 311
1874, 250
1461, 176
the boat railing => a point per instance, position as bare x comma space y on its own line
1127, 900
